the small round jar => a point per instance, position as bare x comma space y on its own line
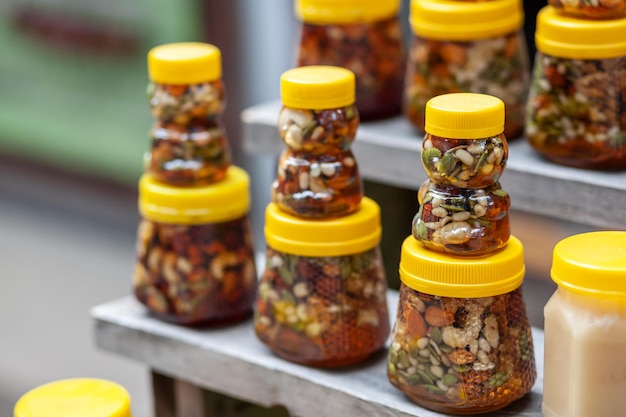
322, 297
464, 145
365, 37
576, 111
462, 343
586, 9
186, 97
317, 173
474, 47
462, 221
75, 397
585, 327
195, 259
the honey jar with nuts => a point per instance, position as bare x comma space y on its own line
462, 343
365, 37
322, 297
318, 176
463, 209
195, 259
472, 47
186, 97
591, 9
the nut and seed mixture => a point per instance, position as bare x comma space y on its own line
318, 175
498, 67
598, 9
462, 221
189, 145
472, 355
373, 51
323, 311
473, 163
577, 111
196, 274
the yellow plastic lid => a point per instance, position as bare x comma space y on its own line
592, 263
438, 273
226, 200
80, 397
184, 63
464, 115
562, 36
317, 87
347, 235
345, 11
463, 20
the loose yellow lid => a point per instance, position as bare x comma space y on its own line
317, 87
184, 63
347, 235
592, 263
437, 273
80, 397
345, 11
464, 116
465, 21
562, 36
226, 200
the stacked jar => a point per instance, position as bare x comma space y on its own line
322, 297
468, 46
364, 37
576, 112
462, 342
195, 260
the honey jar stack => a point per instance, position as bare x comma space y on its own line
322, 297
462, 343
195, 260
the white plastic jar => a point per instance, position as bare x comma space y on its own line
585, 328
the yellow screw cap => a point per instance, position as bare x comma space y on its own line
568, 37
80, 397
226, 200
347, 235
344, 11
317, 87
465, 21
184, 63
447, 275
464, 116
592, 263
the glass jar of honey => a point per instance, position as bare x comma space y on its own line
576, 112
365, 37
585, 327
186, 97
462, 343
322, 297
195, 259
317, 173
591, 9
472, 47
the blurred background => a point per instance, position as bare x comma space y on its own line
74, 126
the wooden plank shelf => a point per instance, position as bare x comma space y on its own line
388, 152
232, 361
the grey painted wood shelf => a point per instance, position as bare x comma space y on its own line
389, 152
232, 361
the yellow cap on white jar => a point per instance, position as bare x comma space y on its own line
184, 63
346, 235
317, 87
464, 20
592, 264
226, 200
345, 11
83, 397
438, 273
563, 36
464, 116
